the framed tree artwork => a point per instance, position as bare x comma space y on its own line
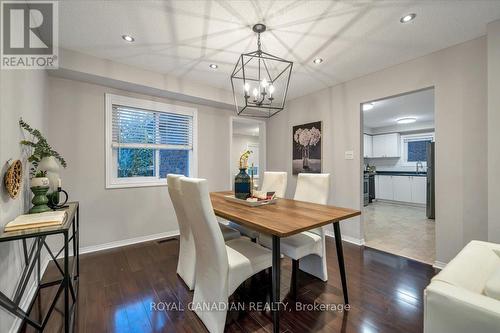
306, 143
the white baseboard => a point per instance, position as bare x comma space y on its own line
28, 298
130, 241
402, 203
352, 240
439, 264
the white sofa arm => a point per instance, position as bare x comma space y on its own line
450, 309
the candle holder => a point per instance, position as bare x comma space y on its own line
40, 199
54, 199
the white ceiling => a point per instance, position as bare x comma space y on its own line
386, 112
354, 38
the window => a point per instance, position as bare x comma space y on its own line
145, 141
415, 148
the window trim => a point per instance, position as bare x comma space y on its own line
413, 137
115, 182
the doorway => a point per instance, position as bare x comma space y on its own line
398, 175
248, 134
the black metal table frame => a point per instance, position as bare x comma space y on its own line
67, 283
275, 296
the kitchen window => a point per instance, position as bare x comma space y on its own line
145, 141
415, 148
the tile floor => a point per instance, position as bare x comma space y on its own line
400, 229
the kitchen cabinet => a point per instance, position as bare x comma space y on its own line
401, 186
378, 142
386, 145
419, 190
367, 145
411, 189
384, 188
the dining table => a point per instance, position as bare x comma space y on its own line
285, 218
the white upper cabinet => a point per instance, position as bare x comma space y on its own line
392, 145
386, 145
367, 145
378, 146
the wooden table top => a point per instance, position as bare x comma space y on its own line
285, 218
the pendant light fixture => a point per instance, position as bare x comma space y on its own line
260, 81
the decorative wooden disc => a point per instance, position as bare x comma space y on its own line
14, 178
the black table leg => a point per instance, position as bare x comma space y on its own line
340, 257
76, 241
66, 282
293, 286
276, 284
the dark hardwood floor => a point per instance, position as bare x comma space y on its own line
118, 286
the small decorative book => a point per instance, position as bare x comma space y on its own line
29, 221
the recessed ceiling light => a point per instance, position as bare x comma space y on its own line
367, 106
128, 38
317, 61
407, 120
408, 18
213, 66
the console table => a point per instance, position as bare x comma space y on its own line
33, 241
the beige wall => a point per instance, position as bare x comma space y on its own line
23, 93
77, 128
459, 76
493, 131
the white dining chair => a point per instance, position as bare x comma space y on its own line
274, 181
187, 253
308, 246
220, 267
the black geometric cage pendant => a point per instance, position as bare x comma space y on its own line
260, 81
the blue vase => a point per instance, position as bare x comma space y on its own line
242, 185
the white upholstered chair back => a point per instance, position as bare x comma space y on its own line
212, 264
210, 247
313, 187
185, 267
275, 181
174, 190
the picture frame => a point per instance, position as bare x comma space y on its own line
306, 148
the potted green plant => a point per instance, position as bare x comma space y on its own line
40, 179
44, 170
41, 148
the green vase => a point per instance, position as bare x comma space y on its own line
242, 185
40, 200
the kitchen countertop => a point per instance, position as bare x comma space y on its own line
402, 173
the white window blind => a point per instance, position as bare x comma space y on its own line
139, 128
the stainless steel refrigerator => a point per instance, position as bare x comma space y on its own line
431, 181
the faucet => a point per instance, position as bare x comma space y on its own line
419, 166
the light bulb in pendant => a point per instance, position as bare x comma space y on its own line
271, 89
264, 83
255, 92
247, 88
